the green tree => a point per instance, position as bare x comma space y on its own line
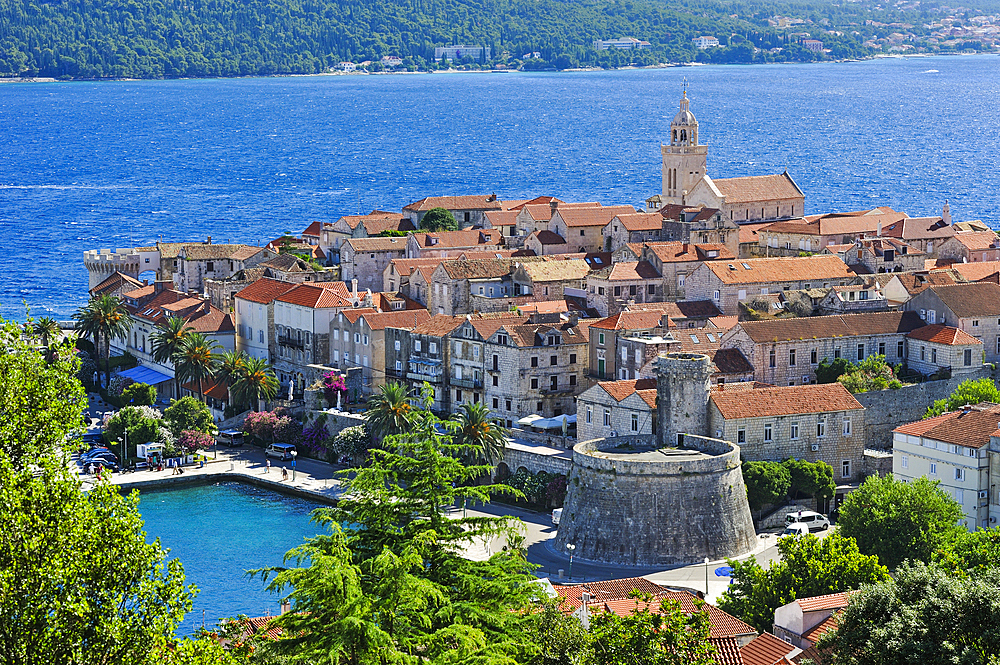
438, 219
41, 403
828, 372
197, 359
351, 442
924, 616
46, 328
814, 479
231, 367
138, 422
485, 436
897, 520
970, 391
166, 342
257, 382
766, 482
872, 373
396, 584
653, 634
390, 411
187, 413
79, 582
971, 553
806, 567
104, 317
139, 394
558, 638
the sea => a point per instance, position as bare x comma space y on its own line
91, 165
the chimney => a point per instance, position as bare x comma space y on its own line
354, 288
553, 205
209, 241
946, 213
878, 229
585, 597
574, 319
286, 607
161, 284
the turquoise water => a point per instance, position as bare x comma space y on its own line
219, 532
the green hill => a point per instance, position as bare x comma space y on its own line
198, 38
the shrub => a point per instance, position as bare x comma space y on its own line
333, 383
352, 442
260, 425
139, 394
189, 413
191, 441
314, 438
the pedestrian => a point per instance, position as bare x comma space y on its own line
268, 463
284, 472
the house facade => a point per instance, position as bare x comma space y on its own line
972, 307
365, 259
357, 339
199, 262
616, 408
254, 310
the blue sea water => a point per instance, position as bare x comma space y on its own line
115, 164
221, 531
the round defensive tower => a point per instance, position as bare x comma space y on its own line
633, 501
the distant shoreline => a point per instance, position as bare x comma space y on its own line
575, 70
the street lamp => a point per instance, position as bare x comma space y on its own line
706, 579
571, 547
294, 454
124, 446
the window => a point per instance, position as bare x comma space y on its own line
600, 338
357, 338
458, 395
632, 290
416, 346
635, 422
791, 357
772, 362
507, 404
365, 340
618, 291
836, 353
741, 435
975, 323
534, 383
881, 348
553, 383
496, 402
553, 360
364, 361
607, 418
959, 474
336, 356
820, 428
475, 351
572, 359
861, 351
496, 380
590, 414
923, 352
794, 433
433, 347
581, 232
534, 361
716, 296
933, 355
396, 345
481, 290
210, 266
933, 470
968, 357
458, 348
767, 432
741, 294
651, 289
260, 336
624, 373
680, 280
399, 366
812, 357
923, 314
931, 316
899, 348
638, 357
336, 335
624, 354
845, 468
904, 461
572, 379
847, 426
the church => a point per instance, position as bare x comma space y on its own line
740, 200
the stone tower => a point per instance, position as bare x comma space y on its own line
683, 384
684, 161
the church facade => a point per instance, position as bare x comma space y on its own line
686, 181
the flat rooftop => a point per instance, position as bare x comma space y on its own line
628, 454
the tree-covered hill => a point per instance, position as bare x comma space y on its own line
174, 38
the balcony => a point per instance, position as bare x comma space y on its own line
421, 376
466, 382
285, 340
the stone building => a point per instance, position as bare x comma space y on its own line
254, 310
546, 243
332, 236
853, 299
422, 355
876, 255
934, 348
605, 335
455, 282
583, 227
973, 307
699, 226
676, 260
358, 339
813, 233
365, 259
199, 262
452, 243
468, 210
971, 247
786, 352
623, 284
410, 277
728, 283
551, 280
115, 285
925, 233
613, 408
636, 227
536, 216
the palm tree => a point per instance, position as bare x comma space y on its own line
257, 382
46, 328
197, 359
166, 341
232, 365
483, 434
390, 412
104, 317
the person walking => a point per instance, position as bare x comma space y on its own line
284, 473
268, 465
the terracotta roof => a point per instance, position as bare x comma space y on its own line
354, 315
722, 625
766, 649
542, 306
438, 325
406, 319
575, 217
724, 322
477, 268
648, 396
940, 334
625, 271
819, 630
621, 389
518, 205
766, 271
308, 294
287, 263
878, 246
487, 325
758, 188
384, 300
640, 221
825, 327
919, 228
785, 401
258, 624
406, 267
748, 232
468, 202
631, 320
452, 239
914, 283
571, 595
502, 217
377, 244
740, 385
682, 252
212, 388
556, 271
203, 252
374, 216
972, 428
731, 361
116, 282
140, 293
264, 290
972, 272
976, 240
682, 309
830, 601
375, 226
543, 212
673, 211
313, 230
533, 334
547, 237
969, 300
727, 651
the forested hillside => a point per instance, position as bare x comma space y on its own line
174, 38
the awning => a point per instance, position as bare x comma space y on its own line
554, 423
528, 420
142, 374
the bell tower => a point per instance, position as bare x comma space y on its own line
684, 160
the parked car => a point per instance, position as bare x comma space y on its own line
814, 521
556, 516
95, 453
230, 437
282, 451
795, 530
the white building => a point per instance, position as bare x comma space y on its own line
457, 52
705, 42
622, 43
954, 449
255, 316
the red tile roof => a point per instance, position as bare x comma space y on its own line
309, 294
975, 271
212, 388
818, 631
748, 232
405, 319
575, 217
682, 252
826, 327
438, 325
759, 188
627, 271
477, 268
498, 218
727, 651
972, 428
640, 221
830, 601
264, 290
785, 401
919, 228
978, 240
731, 361
621, 389
543, 212
546, 237
766, 649
313, 230
940, 334
375, 226
969, 300
629, 320
116, 282
377, 244
486, 325
794, 269
468, 202
571, 595
453, 239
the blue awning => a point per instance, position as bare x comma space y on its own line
148, 375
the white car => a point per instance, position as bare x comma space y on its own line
795, 530
282, 451
813, 521
556, 516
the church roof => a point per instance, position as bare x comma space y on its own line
759, 188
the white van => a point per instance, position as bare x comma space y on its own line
556, 516
795, 530
282, 451
230, 437
813, 521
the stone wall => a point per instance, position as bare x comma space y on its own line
643, 511
516, 456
